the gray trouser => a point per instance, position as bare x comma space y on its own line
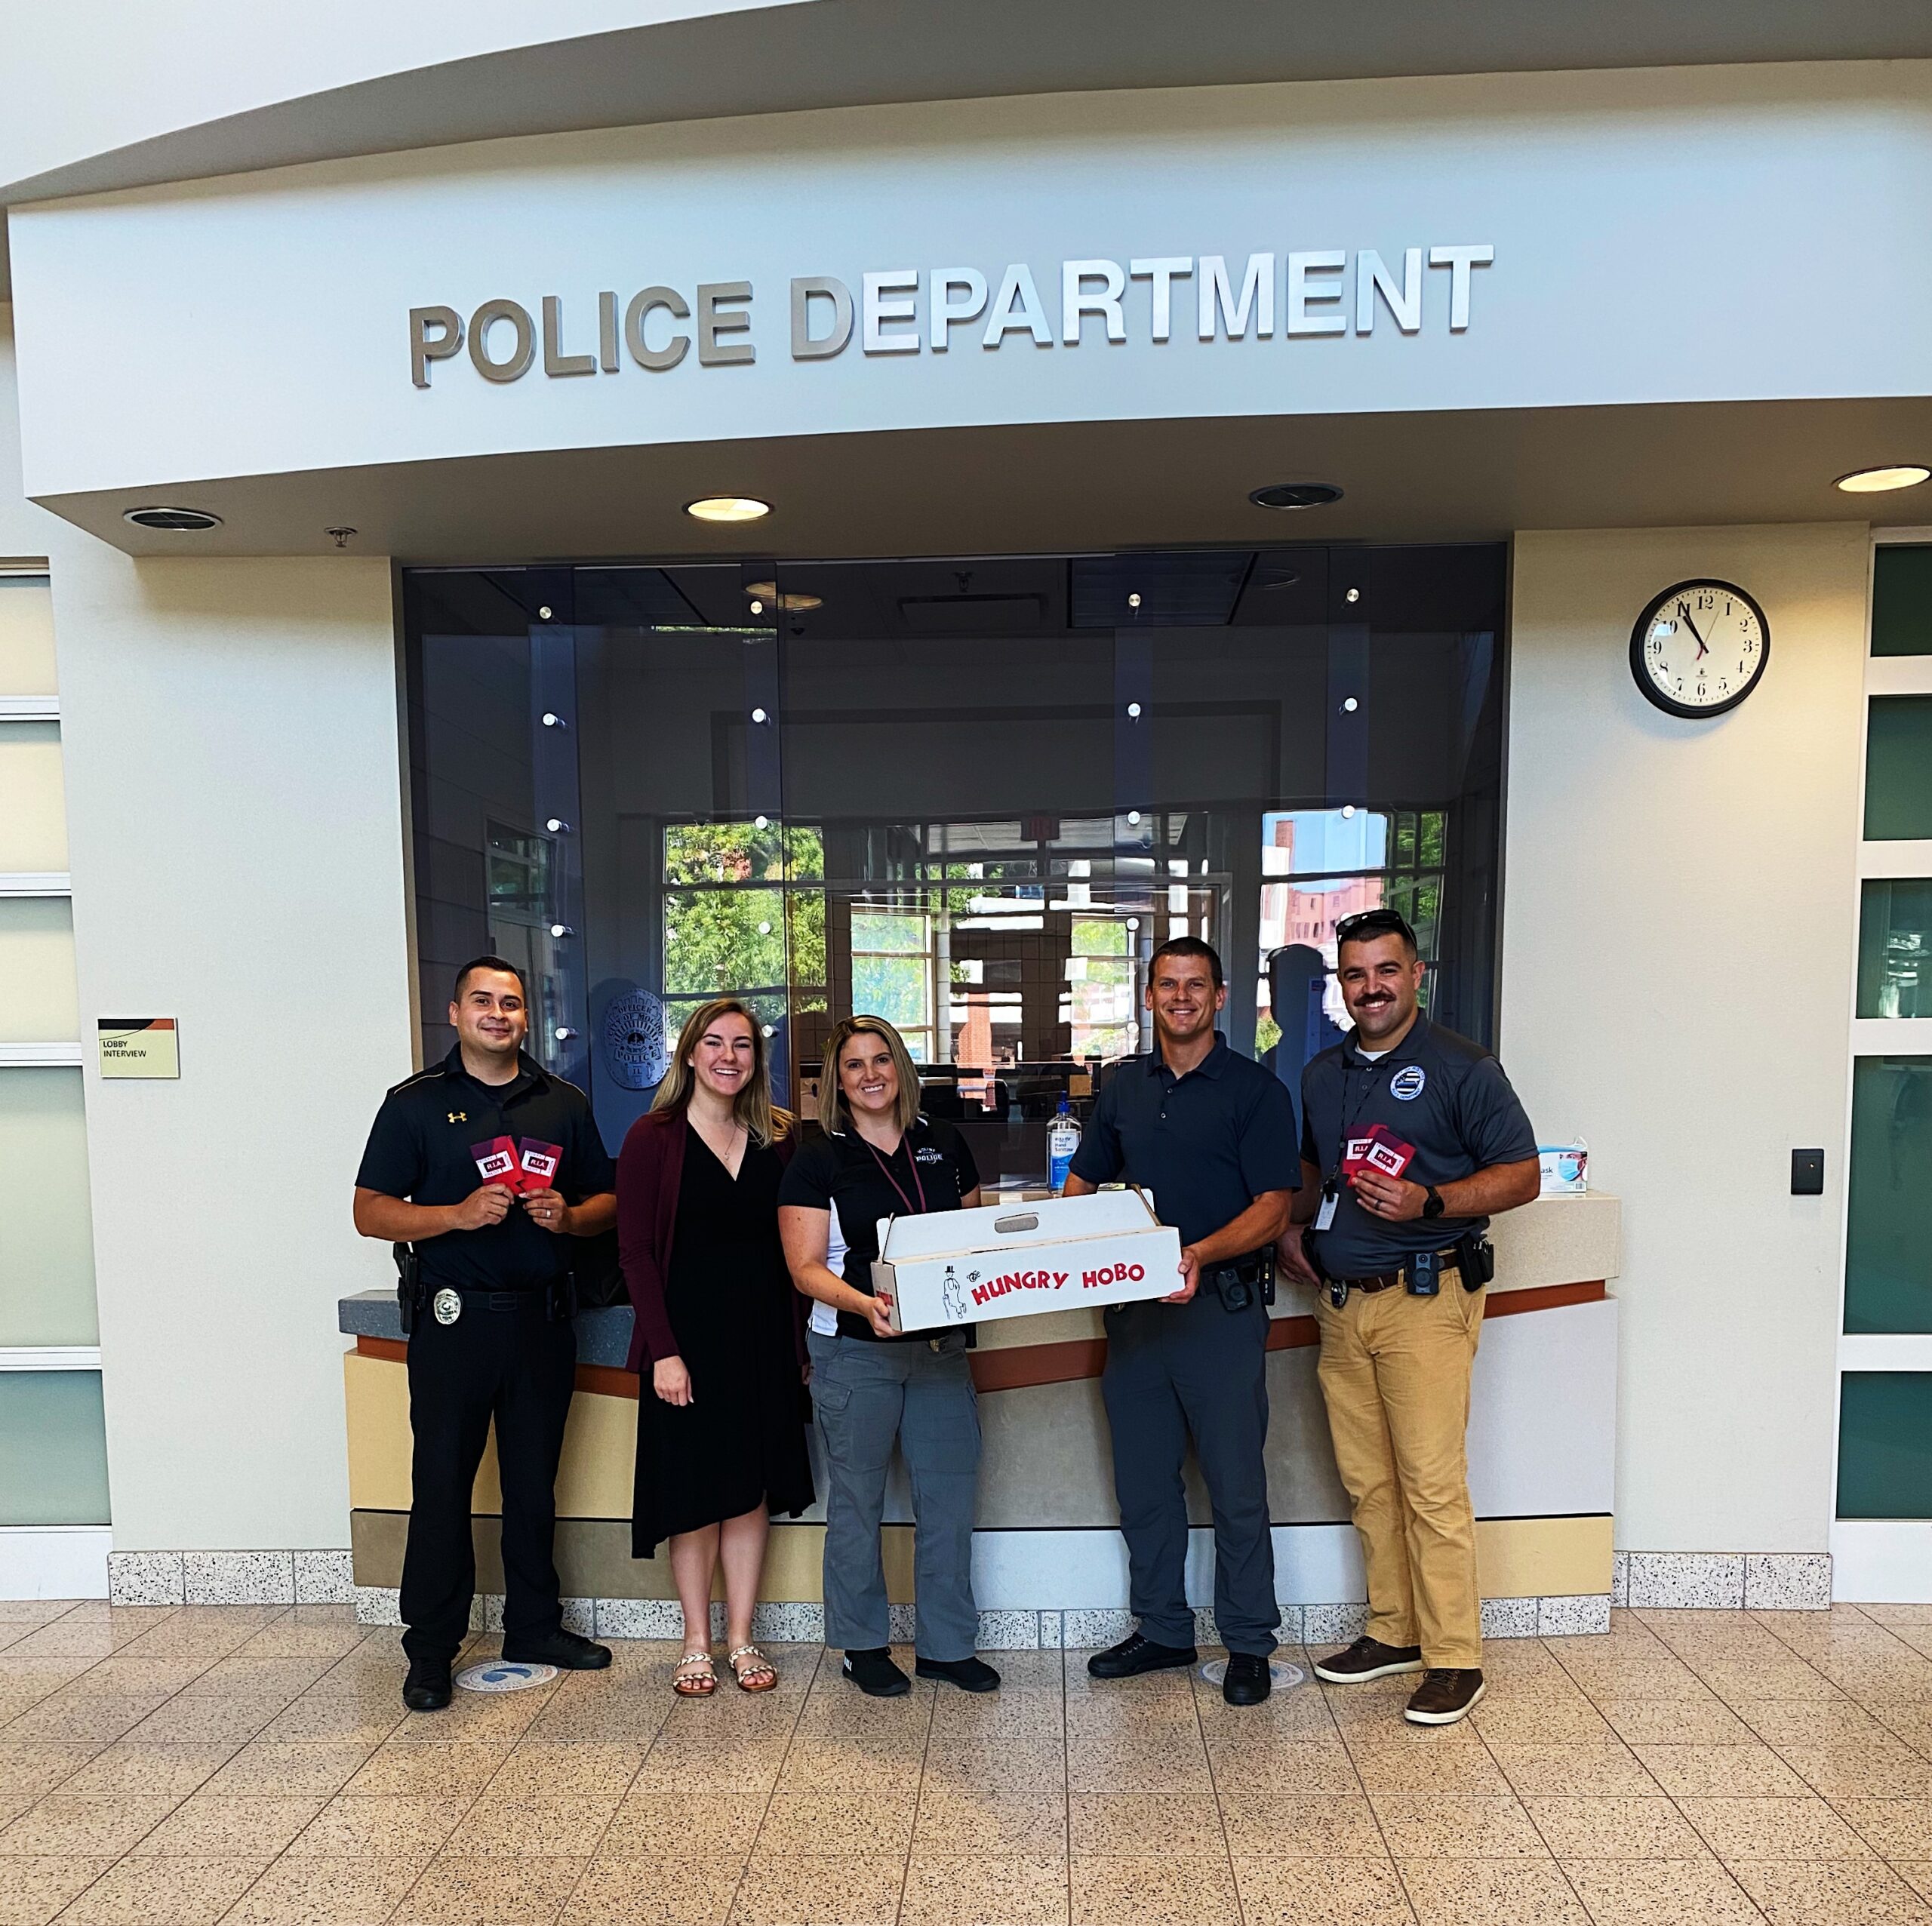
867, 1395
1171, 1370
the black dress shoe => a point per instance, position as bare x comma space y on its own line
1248, 1680
427, 1687
568, 1651
972, 1674
875, 1675
1135, 1655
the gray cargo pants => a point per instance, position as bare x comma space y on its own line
866, 1395
1174, 1371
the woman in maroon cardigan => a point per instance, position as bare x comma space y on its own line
721, 1432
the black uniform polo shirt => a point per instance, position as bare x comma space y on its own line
1206, 1144
1437, 1090
932, 1170
423, 1145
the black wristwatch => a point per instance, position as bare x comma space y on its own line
1434, 1206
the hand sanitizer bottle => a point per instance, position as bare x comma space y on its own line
1062, 1140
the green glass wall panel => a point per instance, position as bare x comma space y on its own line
1895, 947
1888, 1247
53, 1449
47, 1292
1902, 601
1898, 769
39, 1001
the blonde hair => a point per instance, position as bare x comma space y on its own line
833, 1112
765, 1122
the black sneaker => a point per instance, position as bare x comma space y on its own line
1134, 1655
427, 1687
1367, 1659
875, 1675
1248, 1680
568, 1651
1443, 1696
972, 1674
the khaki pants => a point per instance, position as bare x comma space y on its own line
1395, 1372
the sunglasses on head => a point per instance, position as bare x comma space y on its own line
1374, 923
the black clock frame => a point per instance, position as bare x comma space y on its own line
1692, 712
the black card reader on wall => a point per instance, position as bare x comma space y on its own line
1807, 1174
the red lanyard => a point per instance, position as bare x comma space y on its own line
912, 1164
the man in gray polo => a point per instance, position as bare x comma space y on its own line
1211, 1134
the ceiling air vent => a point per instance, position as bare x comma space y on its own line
173, 520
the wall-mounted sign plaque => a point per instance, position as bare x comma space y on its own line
140, 1047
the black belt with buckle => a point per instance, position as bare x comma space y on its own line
475, 1300
1338, 1287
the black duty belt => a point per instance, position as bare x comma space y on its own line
478, 1299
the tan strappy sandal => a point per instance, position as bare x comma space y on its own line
760, 1669
695, 1677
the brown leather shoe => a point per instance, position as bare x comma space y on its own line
1443, 1697
1367, 1659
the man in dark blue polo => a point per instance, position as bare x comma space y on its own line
1211, 1135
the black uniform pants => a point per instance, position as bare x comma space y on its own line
1173, 1370
518, 1367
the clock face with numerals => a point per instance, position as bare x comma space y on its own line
1699, 648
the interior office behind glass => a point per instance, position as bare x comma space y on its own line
971, 795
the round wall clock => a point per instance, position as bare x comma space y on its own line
1699, 648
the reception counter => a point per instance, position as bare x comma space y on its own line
1049, 1563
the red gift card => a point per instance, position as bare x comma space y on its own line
1378, 1148
538, 1162
1387, 1153
496, 1158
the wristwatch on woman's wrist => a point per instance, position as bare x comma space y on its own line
1433, 1205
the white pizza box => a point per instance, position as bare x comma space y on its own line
1008, 1260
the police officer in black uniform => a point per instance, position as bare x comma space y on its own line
489, 1166
1211, 1134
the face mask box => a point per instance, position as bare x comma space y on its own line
1008, 1260
1565, 1169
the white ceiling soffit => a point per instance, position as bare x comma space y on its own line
1452, 475
689, 60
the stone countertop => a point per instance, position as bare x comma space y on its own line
603, 1336
1555, 1241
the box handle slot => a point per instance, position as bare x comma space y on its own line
1010, 1226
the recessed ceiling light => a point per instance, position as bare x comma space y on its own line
768, 592
173, 520
728, 508
1295, 494
1881, 481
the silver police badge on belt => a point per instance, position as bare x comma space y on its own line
448, 1305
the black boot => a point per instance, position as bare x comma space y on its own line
874, 1674
427, 1687
568, 1651
971, 1674
1135, 1655
1248, 1680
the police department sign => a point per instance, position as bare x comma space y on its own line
911, 311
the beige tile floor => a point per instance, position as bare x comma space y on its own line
254, 1765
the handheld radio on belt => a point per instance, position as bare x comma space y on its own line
409, 1294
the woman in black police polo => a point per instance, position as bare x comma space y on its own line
880, 1158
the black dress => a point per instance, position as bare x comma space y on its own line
741, 1441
